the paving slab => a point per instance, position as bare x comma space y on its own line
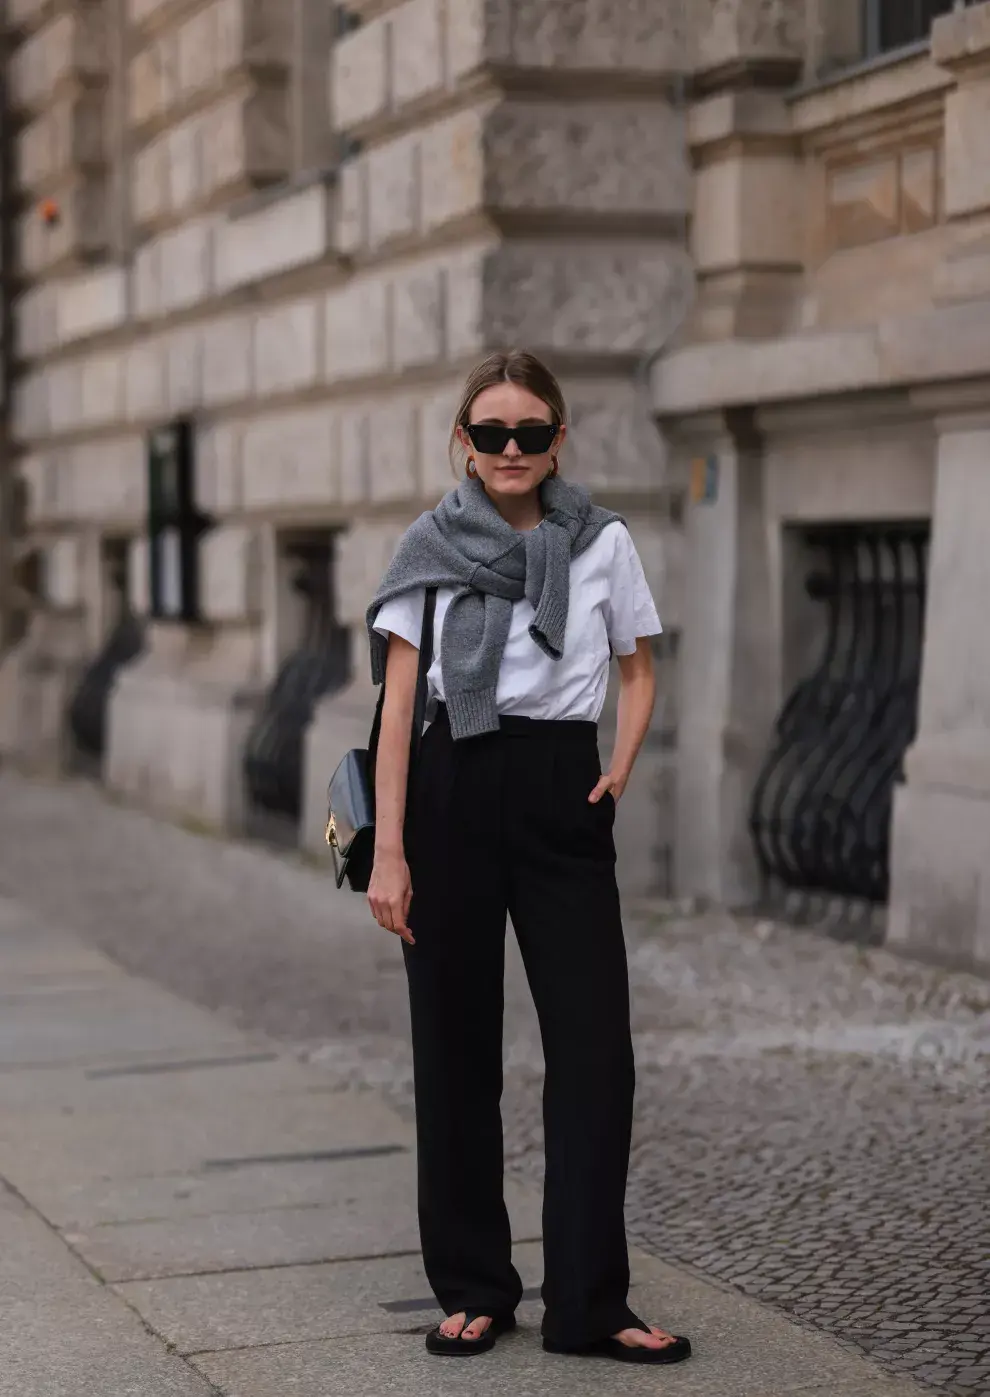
104, 1020
63, 1334
152, 1082
25, 986
379, 1192
64, 1343
31, 949
64, 1149
295, 1304
47, 963
32, 1256
358, 1223
392, 1363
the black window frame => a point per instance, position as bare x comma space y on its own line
175, 524
890, 25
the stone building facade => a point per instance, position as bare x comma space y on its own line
259, 243
835, 378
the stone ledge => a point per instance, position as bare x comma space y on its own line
950, 343
961, 40
740, 372
753, 116
898, 81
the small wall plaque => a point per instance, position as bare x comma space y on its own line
704, 480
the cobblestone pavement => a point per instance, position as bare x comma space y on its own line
813, 1120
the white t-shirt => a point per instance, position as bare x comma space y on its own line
610, 604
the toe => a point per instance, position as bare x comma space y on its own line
639, 1338
476, 1328
453, 1326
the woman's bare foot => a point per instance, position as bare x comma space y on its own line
638, 1338
454, 1327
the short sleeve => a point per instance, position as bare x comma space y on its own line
631, 612
403, 616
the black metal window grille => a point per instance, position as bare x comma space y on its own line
894, 24
273, 757
174, 523
88, 709
821, 809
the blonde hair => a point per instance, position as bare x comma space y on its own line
515, 367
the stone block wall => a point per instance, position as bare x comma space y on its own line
512, 172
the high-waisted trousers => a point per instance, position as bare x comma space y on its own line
501, 824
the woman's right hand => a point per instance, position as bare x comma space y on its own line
390, 894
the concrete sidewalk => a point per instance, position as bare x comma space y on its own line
190, 1211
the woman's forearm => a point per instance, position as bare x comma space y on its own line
637, 699
392, 770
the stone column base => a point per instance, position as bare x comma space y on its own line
38, 678
178, 721
940, 875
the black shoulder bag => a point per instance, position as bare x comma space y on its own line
351, 794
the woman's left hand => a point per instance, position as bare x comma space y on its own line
611, 782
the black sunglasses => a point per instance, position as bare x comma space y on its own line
491, 440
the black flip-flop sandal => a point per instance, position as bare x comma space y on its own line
461, 1348
624, 1353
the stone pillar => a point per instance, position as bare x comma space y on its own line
744, 55
940, 888
940, 893
180, 714
747, 238
961, 43
729, 661
56, 87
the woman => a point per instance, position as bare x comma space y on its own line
509, 812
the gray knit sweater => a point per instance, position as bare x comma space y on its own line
466, 544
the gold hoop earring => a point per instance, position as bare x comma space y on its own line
556, 467
472, 469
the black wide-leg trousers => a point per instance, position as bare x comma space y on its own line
501, 824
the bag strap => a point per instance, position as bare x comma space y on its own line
422, 688
422, 676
